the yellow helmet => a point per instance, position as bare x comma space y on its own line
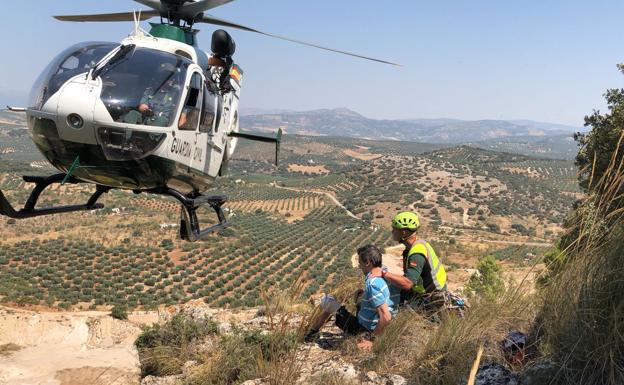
406, 220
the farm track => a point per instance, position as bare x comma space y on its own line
512, 243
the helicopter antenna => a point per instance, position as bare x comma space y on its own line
137, 27
138, 31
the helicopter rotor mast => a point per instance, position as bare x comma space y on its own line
192, 12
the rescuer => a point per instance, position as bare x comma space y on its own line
423, 282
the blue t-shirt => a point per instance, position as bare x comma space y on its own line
376, 293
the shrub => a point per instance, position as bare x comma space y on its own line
166, 243
119, 312
488, 282
163, 349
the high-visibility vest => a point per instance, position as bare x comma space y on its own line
438, 274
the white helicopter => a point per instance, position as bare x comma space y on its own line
152, 114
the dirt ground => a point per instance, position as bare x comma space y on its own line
362, 155
320, 169
75, 348
67, 348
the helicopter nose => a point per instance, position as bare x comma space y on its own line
77, 103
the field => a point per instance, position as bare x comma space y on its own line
304, 217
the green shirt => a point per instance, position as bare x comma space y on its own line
417, 270
414, 267
162, 102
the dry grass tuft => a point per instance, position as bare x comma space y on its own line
164, 349
271, 355
325, 378
443, 352
448, 354
584, 304
402, 338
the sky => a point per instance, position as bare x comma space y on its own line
541, 60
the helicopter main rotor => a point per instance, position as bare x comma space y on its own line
191, 12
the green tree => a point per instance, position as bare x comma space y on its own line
597, 147
488, 282
601, 152
119, 312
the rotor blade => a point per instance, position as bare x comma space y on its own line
193, 9
124, 16
154, 4
216, 21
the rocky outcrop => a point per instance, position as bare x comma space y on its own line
495, 374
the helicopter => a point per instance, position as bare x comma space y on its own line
153, 113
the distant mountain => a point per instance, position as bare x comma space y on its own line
549, 126
561, 146
344, 122
244, 111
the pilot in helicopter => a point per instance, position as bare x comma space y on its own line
159, 102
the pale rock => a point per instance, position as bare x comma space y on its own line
495, 374
346, 371
188, 366
539, 373
372, 378
167, 380
257, 381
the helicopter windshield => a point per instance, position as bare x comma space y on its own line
144, 87
75, 60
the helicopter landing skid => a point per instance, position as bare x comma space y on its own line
41, 183
189, 224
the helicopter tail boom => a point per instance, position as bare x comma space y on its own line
261, 138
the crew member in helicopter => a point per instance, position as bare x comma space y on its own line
159, 101
223, 48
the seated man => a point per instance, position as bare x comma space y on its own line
159, 102
375, 309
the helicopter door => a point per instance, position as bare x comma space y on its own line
209, 125
189, 123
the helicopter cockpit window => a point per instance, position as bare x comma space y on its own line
144, 87
75, 60
208, 111
190, 113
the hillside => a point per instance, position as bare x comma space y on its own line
293, 226
344, 122
327, 197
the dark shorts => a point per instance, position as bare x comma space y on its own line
348, 323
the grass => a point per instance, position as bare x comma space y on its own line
447, 356
164, 349
583, 313
442, 353
246, 354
